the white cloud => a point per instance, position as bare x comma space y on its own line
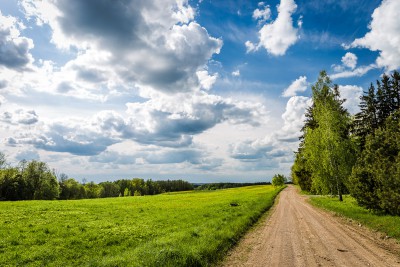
352, 94
262, 14
277, 146
250, 47
349, 60
384, 35
14, 48
236, 73
19, 116
276, 37
148, 42
360, 71
206, 80
294, 117
163, 120
349, 68
299, 85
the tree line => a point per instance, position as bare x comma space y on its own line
360, 154
34, 180
217, 186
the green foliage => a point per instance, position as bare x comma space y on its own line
376, 106
175, 229
300, 173
71, 189
127, 193
32, 180
327, 147
92, 190
349, 208
376, 176
279, 180
216, 186
109, 189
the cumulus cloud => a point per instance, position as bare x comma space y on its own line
384, 35
349, 60
293, 118
277, 146
352, 94
358, 72
147, 42
178, 117
349, 68
20, 116
14, 49
236, 73
206, 80
263, 14
61, 138
299, 85
276, 37
250, 47
163, 120
196, 157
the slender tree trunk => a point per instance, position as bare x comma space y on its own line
339, 190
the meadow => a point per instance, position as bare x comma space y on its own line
348, 208
173, 229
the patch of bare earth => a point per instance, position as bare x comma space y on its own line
298, 234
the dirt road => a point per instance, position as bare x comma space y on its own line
297, 234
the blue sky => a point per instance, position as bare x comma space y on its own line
200, 90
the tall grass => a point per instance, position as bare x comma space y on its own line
390, 225
176, 229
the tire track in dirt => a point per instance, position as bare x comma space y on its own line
298, 234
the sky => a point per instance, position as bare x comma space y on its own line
205, 91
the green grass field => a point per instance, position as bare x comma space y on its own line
175, 229
349, 208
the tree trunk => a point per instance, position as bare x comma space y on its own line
339, 192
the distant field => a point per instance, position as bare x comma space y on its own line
175, 229
349, 208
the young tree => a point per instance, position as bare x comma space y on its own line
41, 181
279, 180
328, 149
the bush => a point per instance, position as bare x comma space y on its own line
278, 180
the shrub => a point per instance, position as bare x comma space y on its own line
278, 180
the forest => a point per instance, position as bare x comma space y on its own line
34, 180
340, 153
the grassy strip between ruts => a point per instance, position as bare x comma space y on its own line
390, 225
176, 229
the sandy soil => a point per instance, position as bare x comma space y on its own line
297, 234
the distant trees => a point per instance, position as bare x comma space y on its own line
279, 180
30, 180
35, 180
71, 189
216, 186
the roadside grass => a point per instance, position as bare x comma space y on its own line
302, 192
175, 229
390, 225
